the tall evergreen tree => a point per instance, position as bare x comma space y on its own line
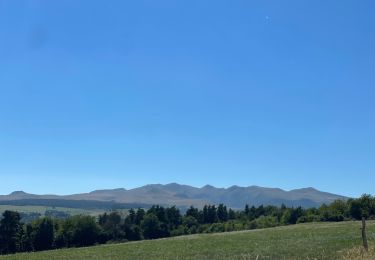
10, 232
43, 234
222, 213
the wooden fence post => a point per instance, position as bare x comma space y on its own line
364, 236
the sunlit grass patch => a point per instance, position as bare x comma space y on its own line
359, 252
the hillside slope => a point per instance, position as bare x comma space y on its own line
303, 241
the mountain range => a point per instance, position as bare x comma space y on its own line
183, 196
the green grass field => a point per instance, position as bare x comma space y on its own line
42, 210
303, 241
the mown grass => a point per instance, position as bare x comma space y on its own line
304, 241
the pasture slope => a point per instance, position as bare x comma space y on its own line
302, 241
42, 209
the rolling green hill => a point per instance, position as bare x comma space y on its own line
303, 241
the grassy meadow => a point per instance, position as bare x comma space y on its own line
42, 209
303, 241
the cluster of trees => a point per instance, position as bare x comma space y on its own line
158, 222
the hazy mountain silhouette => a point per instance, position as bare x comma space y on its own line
184, 195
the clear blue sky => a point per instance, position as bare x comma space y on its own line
108, 94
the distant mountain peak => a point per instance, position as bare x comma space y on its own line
173, 184
108, 190
18, 193
233, 187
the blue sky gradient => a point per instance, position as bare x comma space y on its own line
108, 94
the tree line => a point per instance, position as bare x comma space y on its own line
158, 222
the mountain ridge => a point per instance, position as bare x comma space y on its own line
185, 195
